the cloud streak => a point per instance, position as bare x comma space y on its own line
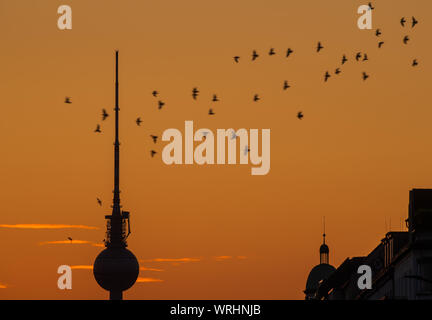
173, 260
151, 269
142, 280
3, 286
46, 226
82, 267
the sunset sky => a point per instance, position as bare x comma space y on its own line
211, 231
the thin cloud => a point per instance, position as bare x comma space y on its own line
241, 257
3, 286
47, 226
173, 260
82, 267
141, 280
151, 269
65, 242
223, 258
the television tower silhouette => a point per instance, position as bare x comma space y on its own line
116, 268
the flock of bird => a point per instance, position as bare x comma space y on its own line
359, 57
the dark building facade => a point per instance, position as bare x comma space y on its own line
401, 264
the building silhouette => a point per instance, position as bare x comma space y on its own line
401, 264
116, 268
320, 272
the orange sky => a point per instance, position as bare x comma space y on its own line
206, 232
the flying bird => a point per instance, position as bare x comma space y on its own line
286, 85
380, 44
99, 201
289, 51
319, 47
358, 56
154, 138
254, 55
402, 21
215, 98
104, 114
406, 39
69, 238
98, 129
272, 52
138, 121
300, 115
236, 59
326, 76
160, 104
370, 6
337, 71
246, 150
256, 98
344, 59
365, 76
415, 63
68, 100
234, 135
155, 93
365, 57
414, 22
211, 112
152, 153
378, 32
195, 93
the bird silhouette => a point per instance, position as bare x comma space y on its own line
155, 93
104, 114
246, 150
414, 22
138, 121
272, 52
154, 138
256, 98
254, 55
300, 115
215, 98
152, 153
99, 201
370, 6
406, 39
415, 63
344, 59
69, 238
233, 135
236, 59
402, 21
195, 92
365, 76
337, 71
319, 47
326, 76
211, 112
160, 104
358, 56
68, 100
365, 57
98, 129
380, 44
378, 32
289, 51
286, 85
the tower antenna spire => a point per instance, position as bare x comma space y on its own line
324, 234
116, 199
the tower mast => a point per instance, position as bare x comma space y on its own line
116, 268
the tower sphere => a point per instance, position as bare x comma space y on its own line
116, 269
